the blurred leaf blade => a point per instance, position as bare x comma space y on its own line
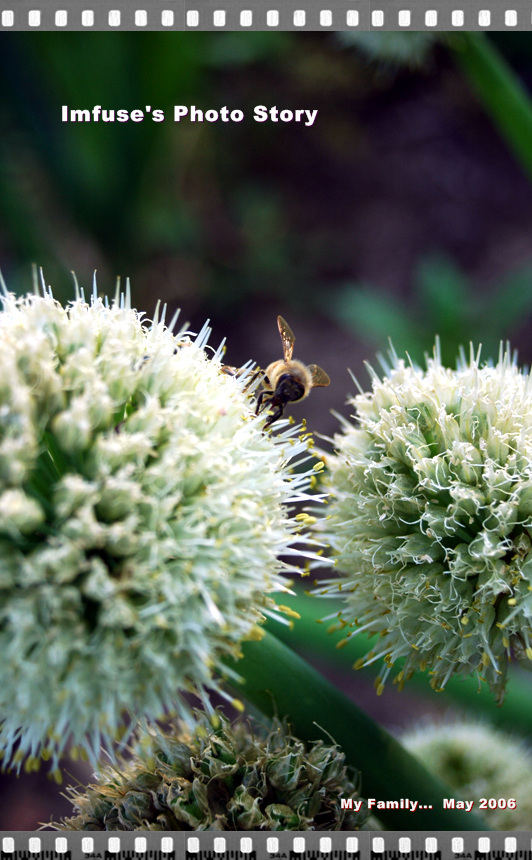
372, 313
443, 302
502, 94
443, 289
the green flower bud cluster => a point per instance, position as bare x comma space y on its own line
220, 777
431, 520
143, 513
480, 762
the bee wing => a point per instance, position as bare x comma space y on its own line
287, 337
319, 377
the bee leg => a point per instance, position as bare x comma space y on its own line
262, 400
255, 376
277, 413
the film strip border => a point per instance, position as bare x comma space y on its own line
369, 845
313, 15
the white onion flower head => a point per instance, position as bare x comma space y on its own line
143, 513
431, 519
479, 761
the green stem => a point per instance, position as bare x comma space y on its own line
279, 683
500, 90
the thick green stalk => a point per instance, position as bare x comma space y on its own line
500, 90
279, 683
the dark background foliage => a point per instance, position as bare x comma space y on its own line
400, 213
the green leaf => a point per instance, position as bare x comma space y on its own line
501, 92
444, 289
373, 313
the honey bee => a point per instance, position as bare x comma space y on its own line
287, 380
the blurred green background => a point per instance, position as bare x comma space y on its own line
402, 213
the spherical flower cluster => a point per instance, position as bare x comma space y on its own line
431, 520
221, 777
143, 513
479, 761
